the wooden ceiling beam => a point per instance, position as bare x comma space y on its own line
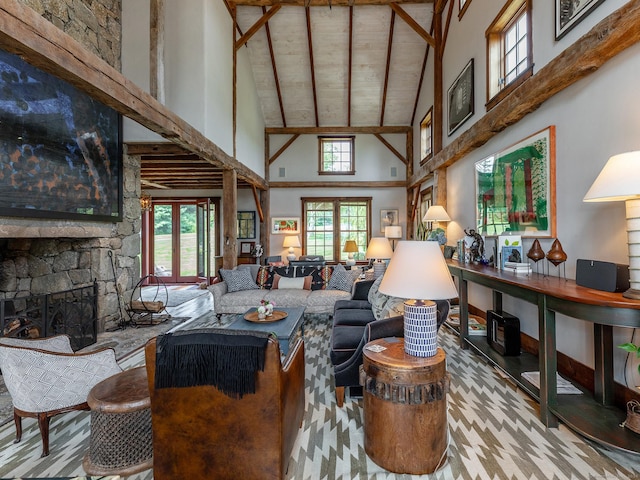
363, 184
283, 148
350, 72
611, 36
391, 148
421, 81
36, 40
155, 148
307, 13
383, 102
413, 24
257, 26
339, 130
276, 78
323, 3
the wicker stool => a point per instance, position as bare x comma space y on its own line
121, 439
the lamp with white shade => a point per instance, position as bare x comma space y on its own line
418, 272
620, 180
350, 247
393, 233
291, 241
379, 249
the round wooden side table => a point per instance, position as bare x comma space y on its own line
405, 408
121, 438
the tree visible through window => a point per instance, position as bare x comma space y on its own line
329, 222
336, 156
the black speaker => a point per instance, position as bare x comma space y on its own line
503, 333
606, 276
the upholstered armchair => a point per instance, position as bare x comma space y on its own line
45, 378
203, 428
347, 373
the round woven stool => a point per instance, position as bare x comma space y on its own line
121, 438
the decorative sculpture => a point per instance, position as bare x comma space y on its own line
557, 255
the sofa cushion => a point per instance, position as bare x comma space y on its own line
266, 274
340, 279
377, 299
344, 341
288, 297
238, 280
324, 300
301, 283
237, 302
355, 316
361, 289
320, 275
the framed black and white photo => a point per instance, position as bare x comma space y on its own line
388, 217
460, 98
571, 12
246, 248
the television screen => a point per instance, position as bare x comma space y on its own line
60, 150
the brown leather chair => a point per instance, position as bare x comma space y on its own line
200, 432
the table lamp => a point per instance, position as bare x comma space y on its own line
350, 247
418, 272
291, 241
620, 180
379, 249
393, 233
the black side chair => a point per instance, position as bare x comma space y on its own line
347, 374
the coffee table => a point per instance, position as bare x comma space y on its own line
286, 329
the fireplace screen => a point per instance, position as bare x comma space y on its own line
73, 312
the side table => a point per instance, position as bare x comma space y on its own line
405, 408
121, 439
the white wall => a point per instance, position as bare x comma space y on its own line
594, 119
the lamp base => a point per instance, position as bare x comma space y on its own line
291, 256
420, 328
350, 262
378, 269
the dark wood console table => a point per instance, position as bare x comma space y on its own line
593, 416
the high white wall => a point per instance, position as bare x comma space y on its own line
373, 162
594, 119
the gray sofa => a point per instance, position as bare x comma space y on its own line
319, 299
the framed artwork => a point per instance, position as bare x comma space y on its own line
571, 12
388, 217
285, 225
516, 188
426, 137
246, 247
460, 98
61, 149
247, 224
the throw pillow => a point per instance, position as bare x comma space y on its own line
393, 308
320, 276
377, 299
265, 276
299, 283
238, 280
361, 290
340, 279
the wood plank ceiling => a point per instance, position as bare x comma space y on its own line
318, 64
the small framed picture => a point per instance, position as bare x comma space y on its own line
388, 217
571, 12
511, 253
246, 247
285, 225
460, 98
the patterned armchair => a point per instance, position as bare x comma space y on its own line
45, 378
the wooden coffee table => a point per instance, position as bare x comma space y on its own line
286, 329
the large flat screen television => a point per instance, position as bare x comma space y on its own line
60, 149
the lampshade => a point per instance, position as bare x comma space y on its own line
350, 246
418, 270
291, 241
379, 248
619, 179
436, 213
393, 231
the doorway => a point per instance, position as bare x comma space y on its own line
179, 240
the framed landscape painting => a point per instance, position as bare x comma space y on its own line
287, 225
515, 188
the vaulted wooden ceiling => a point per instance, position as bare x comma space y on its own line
319, 63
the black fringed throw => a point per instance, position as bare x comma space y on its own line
228, 361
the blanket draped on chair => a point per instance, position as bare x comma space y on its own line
225, 359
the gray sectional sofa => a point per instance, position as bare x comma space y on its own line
245, 286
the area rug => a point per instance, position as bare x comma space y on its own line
494, 431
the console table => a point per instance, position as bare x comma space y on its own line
593, 416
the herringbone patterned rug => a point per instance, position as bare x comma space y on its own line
494, 432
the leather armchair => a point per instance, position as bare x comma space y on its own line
45, 378
200, 432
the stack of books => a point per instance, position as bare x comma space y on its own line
476, 327
517, 267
